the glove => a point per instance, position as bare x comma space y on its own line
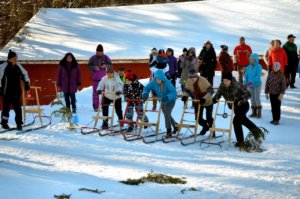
202, 100
215, 100
267, 96
184, 98
99, 92
118, 93
27, 86
280, 96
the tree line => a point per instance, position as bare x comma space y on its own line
15, 13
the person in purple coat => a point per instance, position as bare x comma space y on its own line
69, 79
97, 64
173, 66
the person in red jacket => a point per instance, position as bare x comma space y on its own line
241, 55
225, 60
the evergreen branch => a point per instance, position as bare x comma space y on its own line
91, 190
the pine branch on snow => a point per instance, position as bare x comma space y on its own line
63, 112
91, 190
63, 196
254, 140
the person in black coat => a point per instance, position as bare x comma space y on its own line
11, 74
208, 62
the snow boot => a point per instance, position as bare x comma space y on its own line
130, 129
254, 111
175, 130
4, 125
19, 127
104, 124
205, 127
259, 111
169, 133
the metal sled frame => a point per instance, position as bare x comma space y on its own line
36, 112
102, 132
153, 128
213, 129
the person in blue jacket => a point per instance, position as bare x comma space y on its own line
252, 80
167, 94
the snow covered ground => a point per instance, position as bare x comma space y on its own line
53, 161
130, 32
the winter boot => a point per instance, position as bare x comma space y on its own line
169, 133
19, 127
130, 129
104, 124
259, 111
4, 124
254, 111
205, 127
175, 130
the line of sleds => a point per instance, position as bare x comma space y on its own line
149, 132
36, 113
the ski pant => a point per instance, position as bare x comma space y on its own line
255, 96
290, 74
209, 119
71, 96
139, 110
118, 107
7, 101
95, 94
240, 118
167, 110
275, 106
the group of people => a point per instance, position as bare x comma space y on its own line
165, 69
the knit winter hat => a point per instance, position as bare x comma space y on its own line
276, 66
99, 48
154, 50
227, 76
11, 54
192, 73
184, 50
129, 75
109, 69
224, 47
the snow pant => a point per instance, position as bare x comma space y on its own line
7, 101
209, 119
290, 74
255, 96
71, 96
167, 110
95, 94
240, 118
139, 110
275, 106
241, 71
118, 107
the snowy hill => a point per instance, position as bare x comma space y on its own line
53, 161
129, 32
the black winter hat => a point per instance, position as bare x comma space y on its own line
224, 47
227, 76
184, 50
11, 54
99, 48
192, 73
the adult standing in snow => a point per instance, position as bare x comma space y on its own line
241, 55
69, 79
166, 92
173, 66
97, 64
233, 91
188, 63
133, 90
208, 62
202, 90
275, 89
277, 54
291, 51
225, 60
112, 85
181, 57
11, 74
252, 79
267, 52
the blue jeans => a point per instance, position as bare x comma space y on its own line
71, 96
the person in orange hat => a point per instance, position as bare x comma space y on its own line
133, 89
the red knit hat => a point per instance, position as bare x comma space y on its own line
129, 75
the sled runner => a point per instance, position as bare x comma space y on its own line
111, 127
152, 134
214, 129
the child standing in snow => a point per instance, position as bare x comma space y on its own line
173, 66
252, 79
121, 73
69, 79
167, 94
97, 64
112, 85
275, 88
133, 89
